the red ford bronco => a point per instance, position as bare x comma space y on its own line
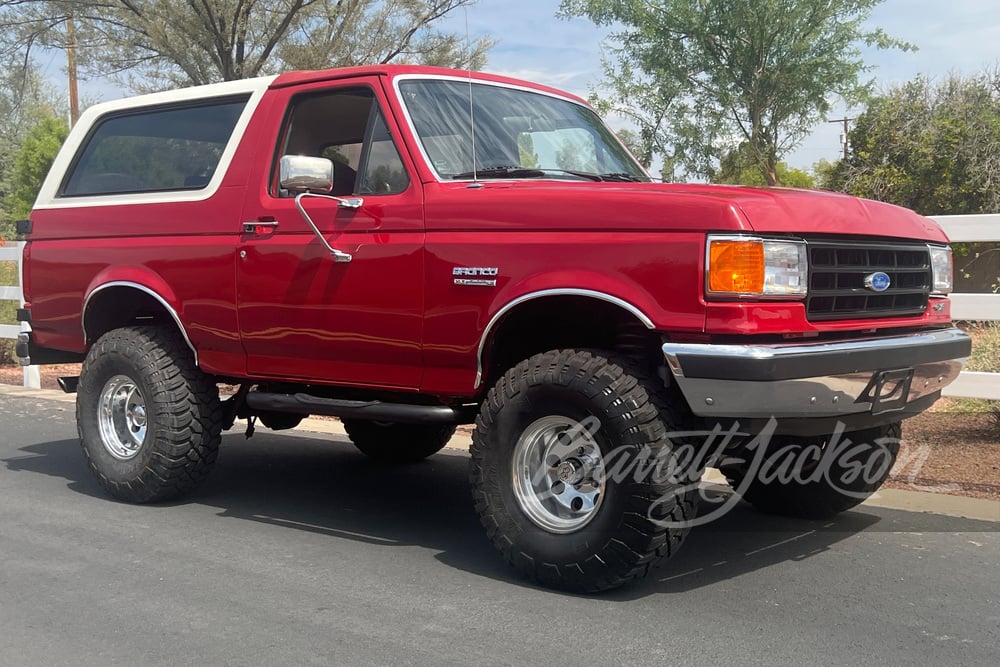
410, 249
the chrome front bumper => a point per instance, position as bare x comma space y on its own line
818, 380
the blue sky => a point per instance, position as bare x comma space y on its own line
959, 35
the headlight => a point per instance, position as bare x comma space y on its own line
750, 266
941, 267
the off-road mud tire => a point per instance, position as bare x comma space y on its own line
181, 411
641, 519
834, 488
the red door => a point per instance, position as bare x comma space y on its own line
302, 314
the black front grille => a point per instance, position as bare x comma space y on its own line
837, 272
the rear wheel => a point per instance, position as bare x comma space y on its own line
555, 459
149, 420
393, 443
817, 478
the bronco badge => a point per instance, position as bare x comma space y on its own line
469, 275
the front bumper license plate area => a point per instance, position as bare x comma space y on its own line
888, 391
813, 381
873, 392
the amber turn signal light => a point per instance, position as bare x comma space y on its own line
750, 266
736, 267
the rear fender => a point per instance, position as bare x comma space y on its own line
141, 280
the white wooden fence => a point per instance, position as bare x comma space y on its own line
12, 253
975, 307
960, 228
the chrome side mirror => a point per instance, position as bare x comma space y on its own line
303, 173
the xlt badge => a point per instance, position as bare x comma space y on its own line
470, 275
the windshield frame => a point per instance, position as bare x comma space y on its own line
397, 80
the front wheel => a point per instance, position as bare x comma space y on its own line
571, 473
149, 420
815, 478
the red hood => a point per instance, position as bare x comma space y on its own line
545, 204
817, 212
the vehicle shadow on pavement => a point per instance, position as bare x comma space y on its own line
62, 459
326, 487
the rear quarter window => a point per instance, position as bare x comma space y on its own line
156, 150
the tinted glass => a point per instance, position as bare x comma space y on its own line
384, 171
347, 127
154, 151
331, 124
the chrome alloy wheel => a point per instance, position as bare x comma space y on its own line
558, 474
121, 415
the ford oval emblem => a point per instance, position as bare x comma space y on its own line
878, 281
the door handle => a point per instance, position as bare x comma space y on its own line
260, 227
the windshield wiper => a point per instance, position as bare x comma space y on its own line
622, 177
523, 172
572, 172
531, 172
615, 176
501, 172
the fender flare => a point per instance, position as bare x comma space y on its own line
562, 291
146, 290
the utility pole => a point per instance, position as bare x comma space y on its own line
74, 97
845, 120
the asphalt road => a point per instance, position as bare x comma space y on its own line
298, 551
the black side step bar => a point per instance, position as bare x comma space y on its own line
402, 413
69, 384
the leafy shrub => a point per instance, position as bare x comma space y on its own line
986, 356
985, 347
7, 353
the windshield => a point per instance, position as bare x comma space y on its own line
518, 134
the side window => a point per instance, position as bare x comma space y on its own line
154, 151
384, 172
347, 127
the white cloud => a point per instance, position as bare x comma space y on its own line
960, 35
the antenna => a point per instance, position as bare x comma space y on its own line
472, 112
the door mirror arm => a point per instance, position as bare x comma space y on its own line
351, 202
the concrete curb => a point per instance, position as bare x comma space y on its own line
49, 394
898, 499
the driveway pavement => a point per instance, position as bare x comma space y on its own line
299, 551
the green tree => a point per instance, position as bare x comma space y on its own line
737, 167
691, 72
156, 44
32, 163
637, 144
527, 157
826, 171
935, 148
932, 147
576, 156
24, 101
